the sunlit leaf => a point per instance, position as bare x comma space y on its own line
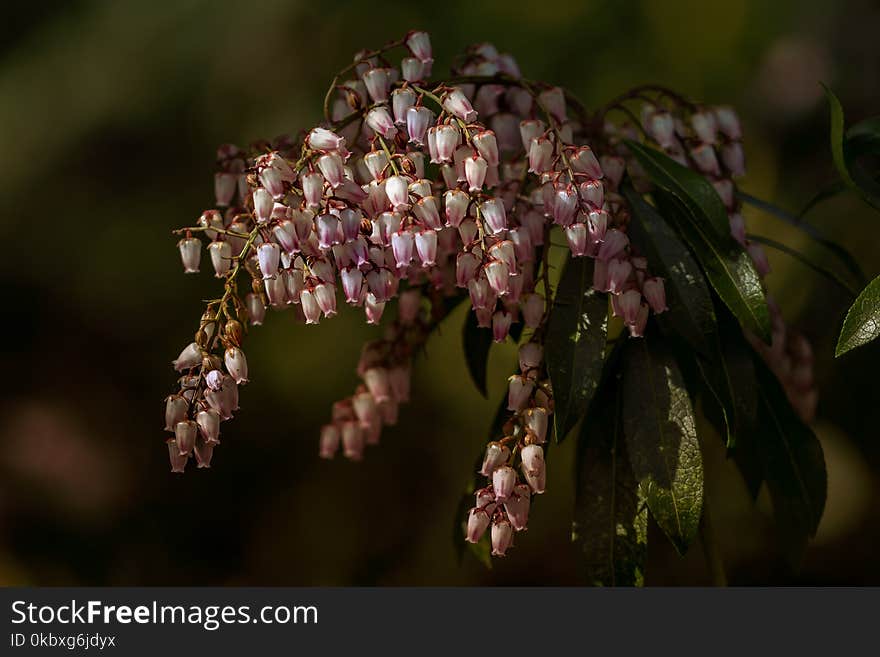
661, 438
862, 323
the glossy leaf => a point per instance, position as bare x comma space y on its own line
839, 149
661, 438
794, 466
690, 313
610, 526
728, 268
477, 342
575, 343
862, 323
689, 187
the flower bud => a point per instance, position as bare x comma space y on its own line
531, 355
190, 357
185, 435
502, 537
378, 383
637, 328
475, 171
329, 441
497, 275
503, 481
309, 303
380, 122
448, 138
313, 188
426, 245
325, 295
554, 100
178, 461
328, 230
403, 100
457, 104
402, 244
204, 452
529, 131
269, 255
331, 166
501, 321
352, 283
214, 380
413, 69
705, 127
619, 272
478, 522
236, 364
661, 126
494, 215
373, 309
419, 44
496, 456
655, 294
584, 161
629, 303
734, 159
322, 139
536, 423
614, 244
224, 188
533, 310
540, 155
190, 254
176, 408
417, 121
517, 506
376, 81
565, 205
705, 159
352, 441
263, 204
519, 391
576, 235
397, 190
209, 425
728, 122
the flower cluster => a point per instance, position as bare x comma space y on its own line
413, 194
709, 140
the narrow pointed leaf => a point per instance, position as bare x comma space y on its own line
845, 257
862, 323
688, 186
575, 343
839, 150
794, 466
610, 527
690, 313
477, 342
805, 260
661, 438
728, 268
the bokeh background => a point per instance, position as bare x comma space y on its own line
110, 113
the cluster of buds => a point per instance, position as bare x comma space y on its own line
416, 193
504, 502
709, 141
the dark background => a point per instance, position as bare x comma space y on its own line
110, 114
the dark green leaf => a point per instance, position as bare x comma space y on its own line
828, 192
804, 259
690, 313
728, 268
575, 343
661, 439
862, 323
794, 466
842, 254
689, 187
477, 342
839, 150
610, 527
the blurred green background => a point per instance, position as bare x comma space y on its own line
110, 113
